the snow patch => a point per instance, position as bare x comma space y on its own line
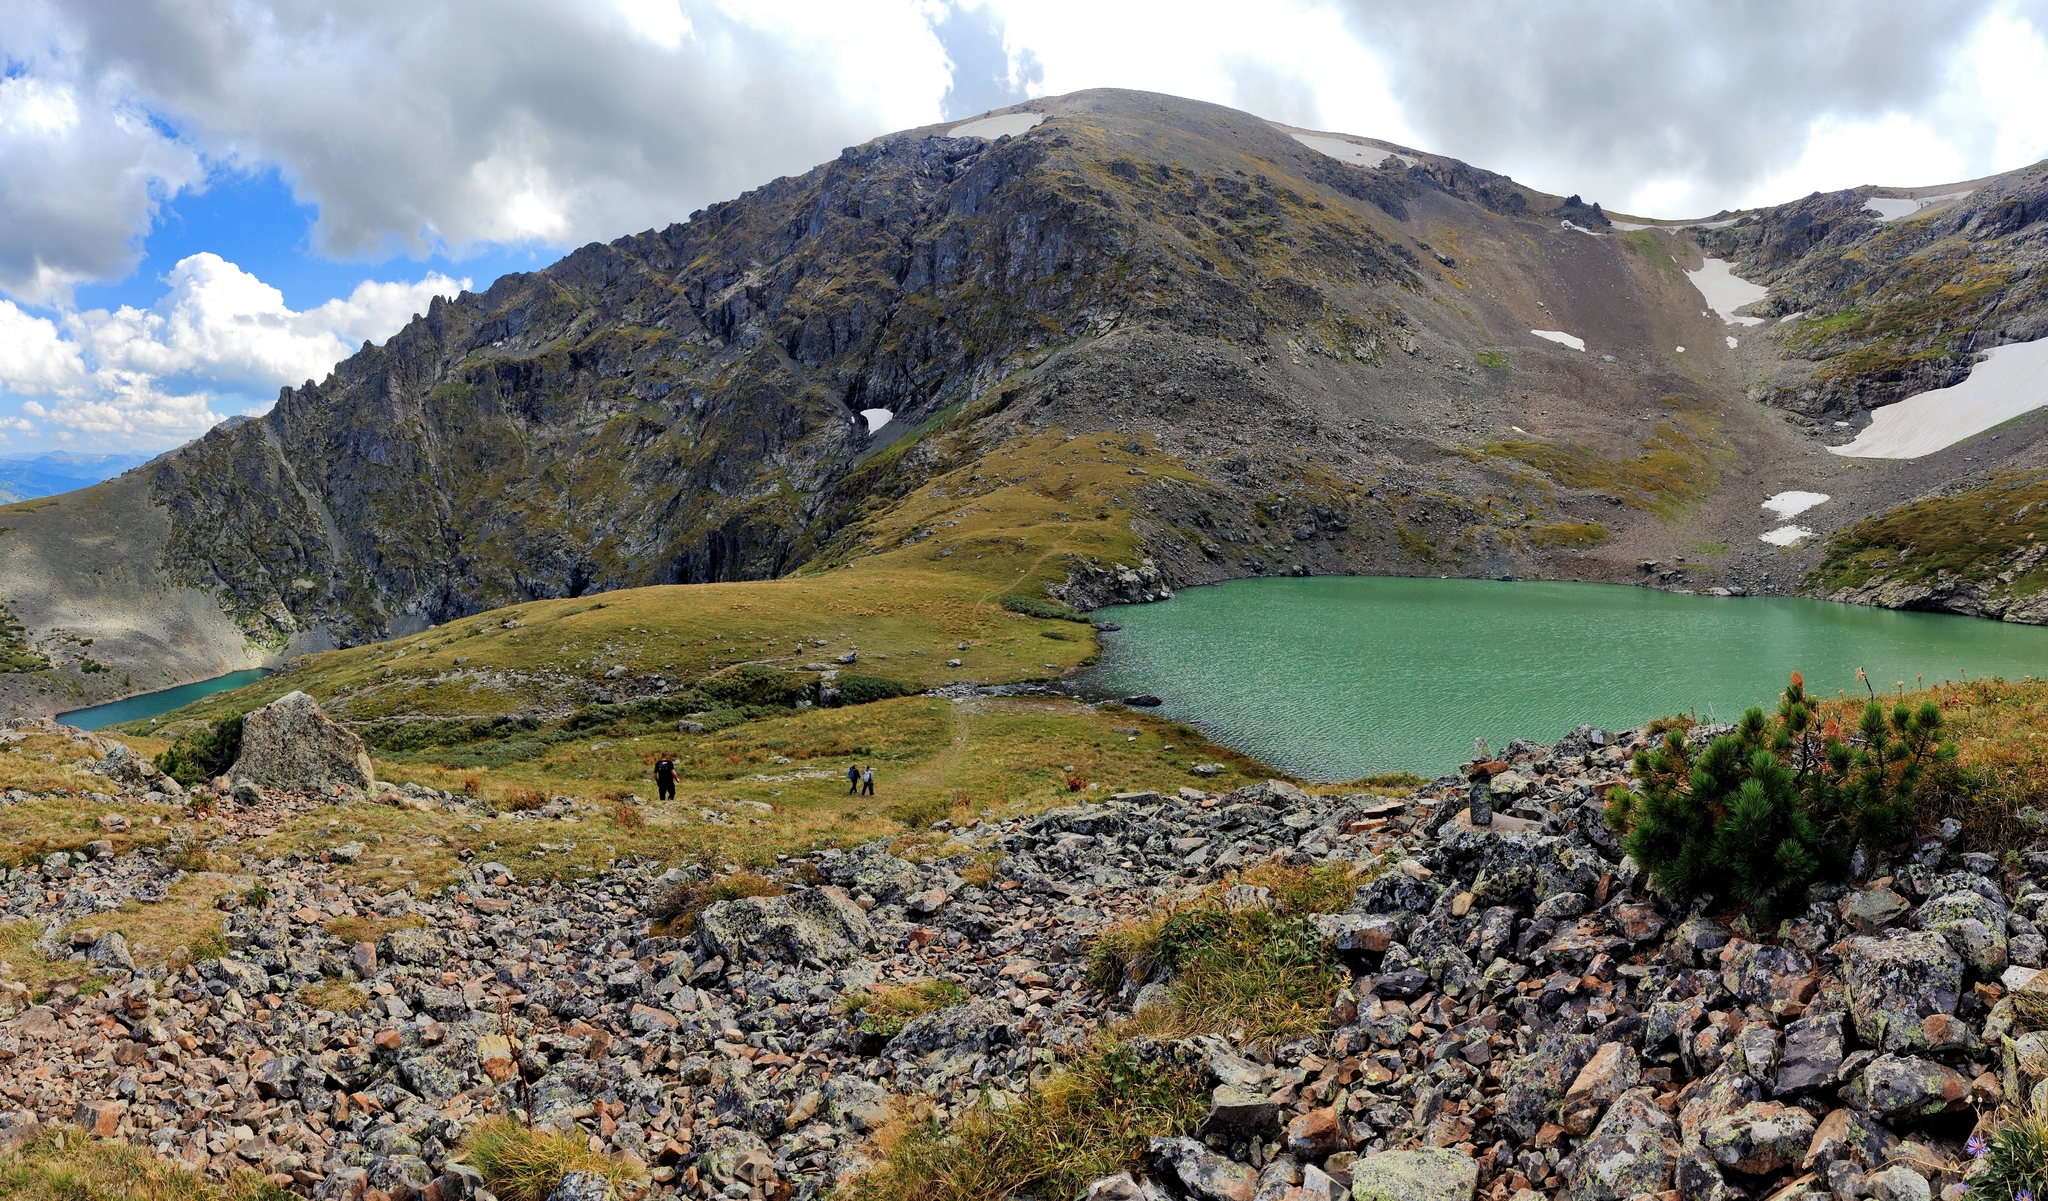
1351, 152
2010, 381
1726, 292
1785, 535
1788, 505
1627, 226
1681, 350
1732, 343
877, 418
1891, 208
1006, 125
1582, 229
1561, 338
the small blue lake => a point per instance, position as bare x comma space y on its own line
149, 704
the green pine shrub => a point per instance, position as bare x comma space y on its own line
1762, 812
861, 690
203, 753
1031, 606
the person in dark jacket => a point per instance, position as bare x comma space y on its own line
665, 777
852, 778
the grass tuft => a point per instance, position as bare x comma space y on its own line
675, 912
886, 1011
334, 996
2016, 1160
519, 1163
1091, 1120
1569, 534
1256, 972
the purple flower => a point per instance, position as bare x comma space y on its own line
2023, 1195
1976, 1146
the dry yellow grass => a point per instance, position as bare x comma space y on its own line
66, 1165
520, 1163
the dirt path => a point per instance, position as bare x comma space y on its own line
935, 771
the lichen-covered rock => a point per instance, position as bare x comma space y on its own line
1429, 1174
1896, 1088
731, 1154
1848, 1136
1201, 1173
816, 924
1536, 1081
1613, 1070
1812, 1055
1761, 975
1898, 1183
291, 744
581, 1186
1894, 982
1761, 1137
1632, 1151
1974, 926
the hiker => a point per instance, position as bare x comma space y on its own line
852, 778
867, 782
665, 777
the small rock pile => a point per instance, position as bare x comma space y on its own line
1523, 1017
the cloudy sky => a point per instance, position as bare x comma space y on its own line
204, 200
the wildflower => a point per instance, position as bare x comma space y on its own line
1976, 1146
2024, 1194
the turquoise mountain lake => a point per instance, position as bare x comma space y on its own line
149, 704
1339, 677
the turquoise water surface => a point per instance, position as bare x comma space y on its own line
1339, 677
149, 704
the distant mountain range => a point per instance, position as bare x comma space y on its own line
25, 477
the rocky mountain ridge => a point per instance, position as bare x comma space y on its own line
1341, 363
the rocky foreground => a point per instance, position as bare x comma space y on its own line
1523, 1017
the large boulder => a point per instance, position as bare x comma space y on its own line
820, 925
290, 744
1537, 1081
1613, 1070
1895, 982
1813, 1053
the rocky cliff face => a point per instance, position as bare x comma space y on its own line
1893, 308
679, 406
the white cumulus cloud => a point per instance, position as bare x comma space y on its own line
218, 333
220, 325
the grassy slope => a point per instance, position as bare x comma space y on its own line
906, 586
1973, 535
